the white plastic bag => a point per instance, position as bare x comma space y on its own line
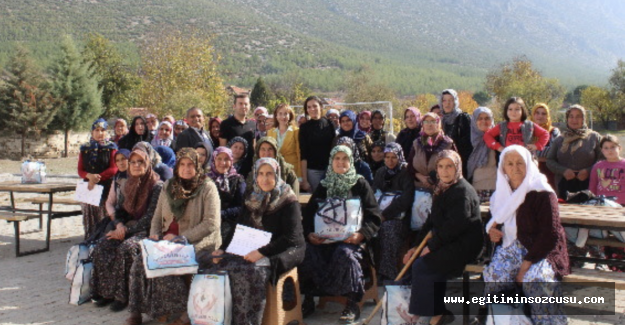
507, 314
80, 290
210, 300
395, 306
75, 254
163, 258
338, 219
385, 199
421, 209
33, 172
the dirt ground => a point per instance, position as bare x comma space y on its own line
58, 166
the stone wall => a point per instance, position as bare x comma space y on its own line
40, 146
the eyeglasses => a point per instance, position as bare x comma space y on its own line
430, 122
137, 162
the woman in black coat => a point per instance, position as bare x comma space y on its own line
457, 240
137, 132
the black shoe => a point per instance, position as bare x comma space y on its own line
350, 314
308, 306
102, 302
118, 306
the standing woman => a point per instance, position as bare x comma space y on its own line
271, 206
364, 122
378, 120
457, 239
426, 149
138, 132
120, 129
188, 206
542, 117
482, 163
214, 126
457, 125
573, 154
287, 136
405, 138
267, 147
347, 120
393, 177
335, 268
164, 135
96, 165
315, 143
239, 145
113, 254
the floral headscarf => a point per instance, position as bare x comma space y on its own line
93, 147
137, 190
479, 155
157, 141
574, 138
365, 130
155, 158
338, 185
432, 143
354, 133
351, 144
221, 179
179, 191
396, 149
453, 156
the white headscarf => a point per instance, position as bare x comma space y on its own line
505, 202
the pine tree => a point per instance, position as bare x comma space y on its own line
260, 95
76, 89
25, 102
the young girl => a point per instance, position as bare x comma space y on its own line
516, 129
608, 176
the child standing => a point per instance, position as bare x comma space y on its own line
608, 176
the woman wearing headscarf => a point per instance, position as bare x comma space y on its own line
167, 154
573, 154
426, 149
378, 120
137, 132
364, 122
273, 207
267, 147
121, 162
121, 129
114, 253
377, 156
333, 115
456, 125
214, 125
482, 165
230, 185
362, 167
164, 135
163, 171
335, 268
315, 143
542, 116
205, 155
393, 178
188, 206
533, 251
405, 137
96, 165
239, 145
180, 126
457, 239
348, 120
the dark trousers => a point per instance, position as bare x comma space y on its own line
428, 290
572, 186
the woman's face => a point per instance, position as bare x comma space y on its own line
437, 111
514, 112
266, 178
214, 129
377, 121
377, 154
411, 120
164, 132
266, 151
186, 169
390, 160
121, 162
484, 122
514, 167
448, 103
334, 118
575, 120
540, 116
139, 127
446, 170
138, 166
340, 163
121, 129
346, 124
223, 163
314, 109
430, 125
283, 117
201, 155
237, 150
269, 123
178, 129
611, 151
364, 120
98, 134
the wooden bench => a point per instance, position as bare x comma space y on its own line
16, 218
41, 200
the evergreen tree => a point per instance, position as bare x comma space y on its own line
25, 102
260, 95
76, 89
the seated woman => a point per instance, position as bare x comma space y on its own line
334, 268
362, 168
348, 129
137, 132
273, 207
608, 176
164, 135
205, 153
267, 147
239, 145
457, 239
188, 206
393, 177
230, 185
121, 161
482, 165
113, 254
377, 156
534, 244
161, 169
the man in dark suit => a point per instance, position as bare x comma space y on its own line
195, 133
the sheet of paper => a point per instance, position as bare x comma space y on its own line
92, 197
246, 240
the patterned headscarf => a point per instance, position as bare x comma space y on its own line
574, 138
179, 191
455, 158
354, 133
93, 147
365, 130
432, 143
221, 179
450, 118
137, 190
155, 158
395, 148
157, 141
479, 155
259, 202
416, 112
285, 167
338, 185
100, 123
351, 144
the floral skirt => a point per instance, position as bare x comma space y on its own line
91, 215
391, 237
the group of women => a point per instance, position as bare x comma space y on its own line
460, 159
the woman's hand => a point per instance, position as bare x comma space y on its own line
154, 237
304, 185
355, 239
569, 174
525, 266
582, 175
494, 233
169, 237
422, 178
253, 256
218, 252
93, 178
531, 147
315, 240
119, 233
425, 251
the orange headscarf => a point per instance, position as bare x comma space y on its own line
547, 126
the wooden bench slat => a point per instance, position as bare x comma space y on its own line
62, 200
17, 216
610, 242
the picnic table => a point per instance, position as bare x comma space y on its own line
16, 215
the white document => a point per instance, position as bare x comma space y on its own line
83, 194
246, 240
